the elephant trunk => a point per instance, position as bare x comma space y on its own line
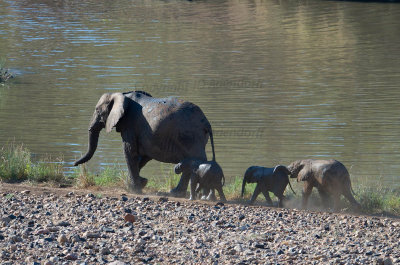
93, 140
290, 185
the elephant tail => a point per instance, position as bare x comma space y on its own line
209, 130
352, 191
246, 176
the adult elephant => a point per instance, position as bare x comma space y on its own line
330, 177
165, 129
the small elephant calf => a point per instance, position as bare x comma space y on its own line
267, 179
208, 174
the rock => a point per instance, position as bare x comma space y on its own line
91, 235
163, 199
108, 230
130, 218
63, 223
387, 261
16, 239
105, 251
238, 248
259, 245
12, 217
62, 239
117, 262
75, 238
26, 192
71, 256
379, 261
43, 232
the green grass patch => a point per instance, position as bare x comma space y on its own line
16, 166
111, 176
14, 163
82, 177
378, 199
165, 183
47, 170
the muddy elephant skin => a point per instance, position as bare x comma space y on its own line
330, 177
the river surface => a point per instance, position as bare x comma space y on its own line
278, 80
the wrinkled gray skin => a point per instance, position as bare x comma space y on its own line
208, 174
330, 177
165, 129
268, 180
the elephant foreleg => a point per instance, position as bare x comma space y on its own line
193, 185
307, 189
180, 190
257, 191
267, 197
135, 182
336, 201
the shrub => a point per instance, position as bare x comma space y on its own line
46, 171
14, 162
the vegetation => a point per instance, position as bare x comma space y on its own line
16, 166
4, 73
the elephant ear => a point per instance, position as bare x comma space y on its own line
119, 104
282, 169
304, 173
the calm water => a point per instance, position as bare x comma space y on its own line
279, 80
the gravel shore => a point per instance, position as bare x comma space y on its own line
56, 226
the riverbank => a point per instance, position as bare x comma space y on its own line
16, 166
66, 226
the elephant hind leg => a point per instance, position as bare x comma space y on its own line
211, 196
347, 194
336, 202
221, 194
325, 198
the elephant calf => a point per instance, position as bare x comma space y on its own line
330, 177
208, 174
267, 179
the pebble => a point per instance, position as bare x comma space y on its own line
62, 239
84, 229
130, 218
